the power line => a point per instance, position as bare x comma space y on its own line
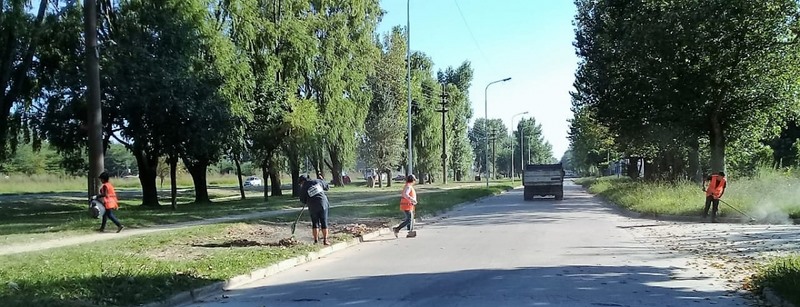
470, 32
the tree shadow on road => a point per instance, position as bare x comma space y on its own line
530, 286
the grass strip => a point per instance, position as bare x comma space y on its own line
769, 197
147, 268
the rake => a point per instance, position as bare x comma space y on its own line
294, 225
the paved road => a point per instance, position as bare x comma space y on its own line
501, 252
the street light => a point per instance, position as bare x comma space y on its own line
486, 125
410, 168
512, 144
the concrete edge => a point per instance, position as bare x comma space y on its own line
194, 295
774, 299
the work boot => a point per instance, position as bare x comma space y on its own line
120, 228
411, 234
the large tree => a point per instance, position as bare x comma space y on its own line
458, 81
382, 145
21, 35
664, 75
344, 34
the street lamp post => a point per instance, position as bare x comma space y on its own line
512, 144
410, 168
486, 125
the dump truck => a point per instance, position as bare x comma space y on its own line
543, 180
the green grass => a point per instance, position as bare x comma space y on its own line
783, 276
23, 184
151, 267
131, 271
429, 204
769, 196
46, 217
26, 218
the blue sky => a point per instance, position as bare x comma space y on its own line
527, 40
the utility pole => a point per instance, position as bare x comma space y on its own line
410, 165
492, 137
95, 112
443, 110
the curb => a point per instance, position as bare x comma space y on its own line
774, 299
194, 295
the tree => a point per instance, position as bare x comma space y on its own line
496, 133
534, 149
344, 35
460, 154
22, 35
384, 134
663, 76
425, 122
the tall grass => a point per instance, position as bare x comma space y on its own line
782, 275
770, 195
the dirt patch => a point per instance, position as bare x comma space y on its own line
285, 242
359, 228
266, 234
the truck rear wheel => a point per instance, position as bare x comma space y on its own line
528, 195
560, 195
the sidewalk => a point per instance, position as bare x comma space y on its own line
89, 238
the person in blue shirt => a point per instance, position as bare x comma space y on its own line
312, 194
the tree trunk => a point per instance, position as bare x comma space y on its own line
717, 137
147, 177
239, 175
173, 181
336, 167
294, 169
275, 181
198, 170
380, 179
388, 177
265, 175
694, 161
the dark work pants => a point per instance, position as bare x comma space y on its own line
709, 201
408, 222
110, 215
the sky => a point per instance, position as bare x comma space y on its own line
527, 40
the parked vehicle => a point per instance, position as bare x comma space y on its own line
368, 173
253, 181
543, 180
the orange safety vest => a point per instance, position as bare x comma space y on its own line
406, 204
715, 186
110, 201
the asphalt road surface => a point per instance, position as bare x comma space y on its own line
501, 252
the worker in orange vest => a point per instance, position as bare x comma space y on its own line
715, 190
109, 197
407, 204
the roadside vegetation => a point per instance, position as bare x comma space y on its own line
147, 268
769, 196
781, 275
